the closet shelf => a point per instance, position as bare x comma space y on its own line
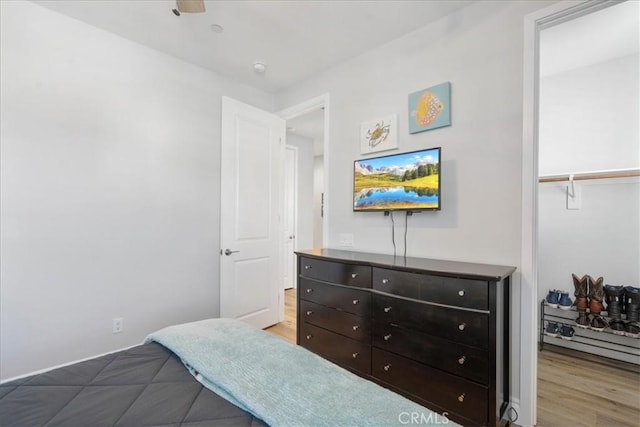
580, 176
604, 343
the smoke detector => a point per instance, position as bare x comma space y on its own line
259, 67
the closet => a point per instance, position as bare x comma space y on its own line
588, 193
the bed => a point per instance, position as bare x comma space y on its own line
217, 372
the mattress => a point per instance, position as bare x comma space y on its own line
145, 385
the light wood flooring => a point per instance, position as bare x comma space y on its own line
572, 392
582, 393
287, 329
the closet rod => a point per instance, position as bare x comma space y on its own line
579, 176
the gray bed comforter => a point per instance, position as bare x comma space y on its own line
146, 385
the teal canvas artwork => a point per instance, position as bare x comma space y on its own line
430, 108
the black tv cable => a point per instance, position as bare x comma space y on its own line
393, 233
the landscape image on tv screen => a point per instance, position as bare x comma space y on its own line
408, 181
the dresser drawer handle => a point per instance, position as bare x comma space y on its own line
355, 327
387, 309
461, 398
356, 301
387, 337
387, 366
385, 281
309, 312
309, 290
354, 355
309, 337
461, 292
461, 326
462, 360
354, 275
307, 267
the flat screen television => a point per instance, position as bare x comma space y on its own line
406, 181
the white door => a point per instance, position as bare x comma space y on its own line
290, 204
251, 206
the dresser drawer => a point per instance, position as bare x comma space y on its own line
461, 326
458, 395
350, 325
468, 362
336, 272
351, 300
337, 348
314, 268
465, 293
350, 275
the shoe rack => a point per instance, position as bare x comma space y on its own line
602, 343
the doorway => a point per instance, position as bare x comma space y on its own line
558, 143
305, 189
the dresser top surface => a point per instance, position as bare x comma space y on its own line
488, 272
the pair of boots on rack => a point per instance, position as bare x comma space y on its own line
589, 293
623, 299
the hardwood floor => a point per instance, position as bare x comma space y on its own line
572, 392
578, 393
287, 329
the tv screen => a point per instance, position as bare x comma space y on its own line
407, 181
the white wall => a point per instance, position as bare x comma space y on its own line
304, 237
589, 118
480, 51
603, 237
110, 189
600, 239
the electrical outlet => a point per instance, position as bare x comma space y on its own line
118, 325
346, 239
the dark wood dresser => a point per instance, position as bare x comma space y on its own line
434, 331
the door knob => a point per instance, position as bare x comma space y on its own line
291, 237
228, 252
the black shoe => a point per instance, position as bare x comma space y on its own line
614, 296
632, 302
597, 324
552, 329
632, 329
617, 327
566, 332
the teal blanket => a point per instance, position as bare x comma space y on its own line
284, 384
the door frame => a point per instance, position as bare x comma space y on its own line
533, 24
294, 149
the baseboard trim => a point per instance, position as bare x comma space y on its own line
40, 371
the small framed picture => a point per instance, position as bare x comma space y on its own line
379, 134
430, 108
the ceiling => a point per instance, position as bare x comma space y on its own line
295, 39
590, 39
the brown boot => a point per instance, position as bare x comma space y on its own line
581, 290
596, 295
581, 285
